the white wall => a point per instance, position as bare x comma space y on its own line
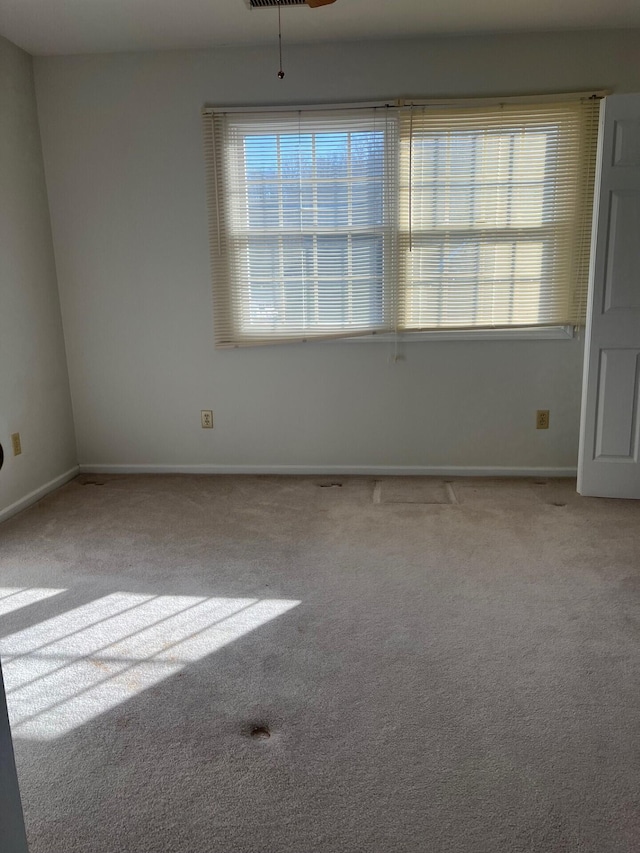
124, 164
34, 385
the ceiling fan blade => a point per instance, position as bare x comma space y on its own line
315, 3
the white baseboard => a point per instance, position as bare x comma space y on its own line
38, 493
333, 470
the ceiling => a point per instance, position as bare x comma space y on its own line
97, 26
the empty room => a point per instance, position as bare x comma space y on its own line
319, 426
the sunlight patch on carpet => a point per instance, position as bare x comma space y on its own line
64, 671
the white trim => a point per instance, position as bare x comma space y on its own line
399, 103
334, 470
38, 493
522, 333
531, 333
209, 109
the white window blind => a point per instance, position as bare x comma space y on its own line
340, 222
302, 230
495, 214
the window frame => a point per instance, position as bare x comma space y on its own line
314, 235
389, 331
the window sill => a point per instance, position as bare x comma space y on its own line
548, 333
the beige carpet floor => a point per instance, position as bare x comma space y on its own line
296, 665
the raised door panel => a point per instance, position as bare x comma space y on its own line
618, 396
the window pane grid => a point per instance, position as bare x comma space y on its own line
496, 180
292, 276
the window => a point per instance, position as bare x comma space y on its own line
335, 223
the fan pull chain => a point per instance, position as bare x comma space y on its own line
280, 72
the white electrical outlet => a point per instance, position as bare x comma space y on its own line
206, 419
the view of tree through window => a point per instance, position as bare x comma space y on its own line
314, 240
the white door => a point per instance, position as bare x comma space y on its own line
609, 458
12, 834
